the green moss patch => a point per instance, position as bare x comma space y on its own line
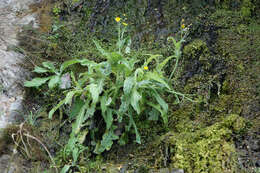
209, 149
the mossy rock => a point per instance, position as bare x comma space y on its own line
196, 48
208, 149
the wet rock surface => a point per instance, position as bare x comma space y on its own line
13, 15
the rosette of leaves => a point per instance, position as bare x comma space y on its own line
114, 89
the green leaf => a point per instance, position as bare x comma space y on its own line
105, 102
86, 62
53, 110
135, 97
157, 77
105, 68
109, 101
161, 102
162, 64
106, 142
128, 84
96, 89
115, 58
73, 78
79, 120
75, 154
128, 46
36, 82
66, 64
152, 57
76, 107
163, 114
38, 69
123, 139
82, 136
137, 135
54, 81
108, 117
153, 115
65, 169
91, 110
71, 143
69, 95
173, 39
101, 50
93, 89
49, 65
125, 102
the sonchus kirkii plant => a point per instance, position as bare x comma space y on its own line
115, 89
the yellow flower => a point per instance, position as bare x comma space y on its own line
124, 23
182, 26
117, 19
182, 20
145, 68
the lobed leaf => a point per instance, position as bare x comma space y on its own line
49, 65
157, 77
54, 81
101, 50
135, 98
53, 110
76, 107
152, 57
137, 135
158, 108
65, 169
38, 69
128, 85
36, 82
66, 64
161, 102
79, 120
108, 117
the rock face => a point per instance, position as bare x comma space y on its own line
12, 75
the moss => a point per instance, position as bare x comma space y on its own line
196, 48
235, 122
247, 9
208, 149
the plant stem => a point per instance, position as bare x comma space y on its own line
175, 67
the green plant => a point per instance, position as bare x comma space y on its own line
31, 118
53, 80
112, 92
56, 10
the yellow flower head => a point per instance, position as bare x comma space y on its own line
182, 20
145, 68
124, 23
117, 19
182, 26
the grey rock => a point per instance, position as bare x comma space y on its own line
12, 74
